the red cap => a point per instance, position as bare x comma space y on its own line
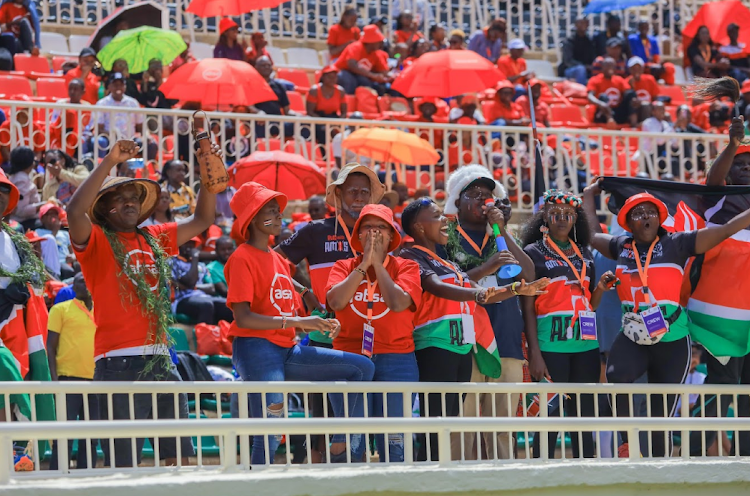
33, 237
634, 201
44, 209
246, 203
226, 24
14, 195
328, 69
381, 212
534, 81
745, 86
504, 84
372, 34
743, 148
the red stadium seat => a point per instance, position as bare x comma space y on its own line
296, 76
51, 88
15, 85
267, 144
567, 116
674, 92
296, 102
59, 60
32, 66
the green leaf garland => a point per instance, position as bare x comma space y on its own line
32, 269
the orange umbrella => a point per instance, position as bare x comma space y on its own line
716, 16
288, 173
447, 73
218, 82
212, 8
391, 145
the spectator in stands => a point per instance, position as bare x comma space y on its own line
76, 91
127, 273
437, 37
457, 40
118, 125
337, 150
62, 176
504, 111
19, 20
407, 29
70, 352
426, 112
224, 215
150, 96
647, 48
224, 249
22, 163
228, 47
736, 53
121, 25
703, 56
363, 63
487, 42
468, 106
645, 86
541, 109
611, 95
418, 48
182, 59
613, 30
194, 289
257, 48
614, 51
694, 378
683, 122
316, 207
375, 297
513, 65
280, 106
90, 71
182, 197
162, 213
657, 124
326, 99
343, 33
578, 54
51, 217
131, 87
402, 190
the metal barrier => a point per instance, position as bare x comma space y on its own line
233, 446
571, 157
542, 24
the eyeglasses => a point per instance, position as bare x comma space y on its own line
641, 213
476, 194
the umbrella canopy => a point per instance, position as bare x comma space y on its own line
716, 16
447, 73
218, 82
391, 145
144, 13
138, 46
288, 173
213, 8
603, 6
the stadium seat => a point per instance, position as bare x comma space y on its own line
306, 58
201, 50
267, 144
674, 92
305, 148
325, 57
277, 55
297, 102
59, 60
543, 70
77, 42
567, 116
296, 76
54, 42
51, 88
32, 66
15, 85
180, 339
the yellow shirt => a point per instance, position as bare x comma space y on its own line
75, 352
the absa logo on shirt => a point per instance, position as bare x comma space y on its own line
364, 64
360, 299
282, 295
142, 262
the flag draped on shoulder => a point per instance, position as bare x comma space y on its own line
714, 290
486, 352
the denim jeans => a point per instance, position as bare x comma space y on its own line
350, 81
577, 73
257, 359
389, 367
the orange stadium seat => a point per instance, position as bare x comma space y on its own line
296, 102
296, 76
15, 85
32, 66
51, 88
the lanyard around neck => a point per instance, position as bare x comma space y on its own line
471, 241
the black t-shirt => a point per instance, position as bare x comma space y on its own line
274, 107
547, 263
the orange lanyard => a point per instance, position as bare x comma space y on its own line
643, 270
646, 48
84, 309
371, 286
706, 54
347, 234
580, 276
443, 263
471, 241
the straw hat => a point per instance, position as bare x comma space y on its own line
376, 187
150, 193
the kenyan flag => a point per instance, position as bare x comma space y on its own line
486, 353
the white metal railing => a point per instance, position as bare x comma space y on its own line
229, 440
570, 156
542, 24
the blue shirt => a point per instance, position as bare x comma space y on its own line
62, 238
636, 46
181, 267
480, 44
224, 52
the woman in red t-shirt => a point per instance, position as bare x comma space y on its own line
344, 33
326, 99
260, 292
375, 296
406, 29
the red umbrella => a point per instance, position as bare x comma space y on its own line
289, 173
447, 73
212, 8
716, 16
218, 82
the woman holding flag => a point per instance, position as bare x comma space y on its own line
561, 324
651, 262
444, 325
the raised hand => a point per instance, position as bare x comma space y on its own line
122, 151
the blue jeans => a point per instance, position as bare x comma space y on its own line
257, 359
578, 74
390, 367
350, 81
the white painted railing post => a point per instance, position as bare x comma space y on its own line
444, 447
230, 450
634, 444
6, 460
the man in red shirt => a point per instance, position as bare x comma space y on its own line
513, 65
504, 111
541, 109
363, 63
611, 94
645, 87
87, 73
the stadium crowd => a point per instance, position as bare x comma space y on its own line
369, 284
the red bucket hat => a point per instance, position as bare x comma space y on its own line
226, 24
246, 203
14, 195
372, 34
634, 201
381, 212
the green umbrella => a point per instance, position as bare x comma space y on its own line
138, 46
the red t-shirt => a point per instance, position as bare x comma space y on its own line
91, 83
511, 67
208, 241
376, 61
613, 88
120, 323
338, 35
393, 331
541, 109
646, 88
10, 11
405, 36
500, 111
261, 278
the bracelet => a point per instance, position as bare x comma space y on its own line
513, 288
357, 269
479, 293
304, 291
283, 322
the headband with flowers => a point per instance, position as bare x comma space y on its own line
555, 196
